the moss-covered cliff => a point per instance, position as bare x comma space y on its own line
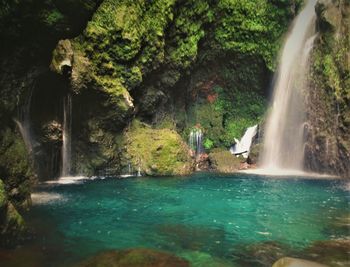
172, 64
142, 74
328, 98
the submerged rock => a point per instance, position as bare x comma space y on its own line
193, 238
200, 259
260, 254
293, 262
140, 257
331, 252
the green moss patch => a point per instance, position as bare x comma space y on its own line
157, 151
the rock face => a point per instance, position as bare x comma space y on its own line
224, 161
162, 63
157, 152
135, 258
328, 99
11, 223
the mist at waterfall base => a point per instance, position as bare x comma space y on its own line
202, 217
283, 149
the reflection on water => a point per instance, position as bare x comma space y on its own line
229, 220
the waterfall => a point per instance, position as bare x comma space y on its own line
66, 136
23, 123
283, 140
196, 141
242, 147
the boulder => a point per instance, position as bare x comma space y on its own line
335, 253
293, 262
11, 222
157, 152
224, 161
140, 257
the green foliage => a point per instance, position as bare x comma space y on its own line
50, 18
238, 103
188, 31
253, 27
15, 165
208, 144
3, 198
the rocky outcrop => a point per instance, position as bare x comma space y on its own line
140, 257
224, 161
156, 152
328, 98
171, 65
11, 223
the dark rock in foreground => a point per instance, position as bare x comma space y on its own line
331, 252
140, 257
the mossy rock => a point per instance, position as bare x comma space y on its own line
157, 152
11, 222
16, 166
224, 161
254, 153
134, 258
3, 200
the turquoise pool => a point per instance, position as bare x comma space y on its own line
209, 219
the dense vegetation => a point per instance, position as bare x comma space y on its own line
165, 65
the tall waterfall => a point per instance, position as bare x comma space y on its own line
196, 141
23, 123
66, 136
283, 141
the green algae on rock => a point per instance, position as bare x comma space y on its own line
224, 161
140, 257
328, 141
157, 151
11, 222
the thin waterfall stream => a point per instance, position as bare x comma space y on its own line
284, 141
23, 123
66, 136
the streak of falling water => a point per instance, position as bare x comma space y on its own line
66, 142
283, 141
23, 123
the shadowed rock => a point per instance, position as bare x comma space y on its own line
134, 258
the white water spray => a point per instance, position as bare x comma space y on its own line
23, 123
283, 141
66, 136
196, 141
242, 147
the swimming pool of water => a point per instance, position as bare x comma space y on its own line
203, 218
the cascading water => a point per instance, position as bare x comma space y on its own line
196, 141
242, 147
23, 123
66, 136
283, 141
